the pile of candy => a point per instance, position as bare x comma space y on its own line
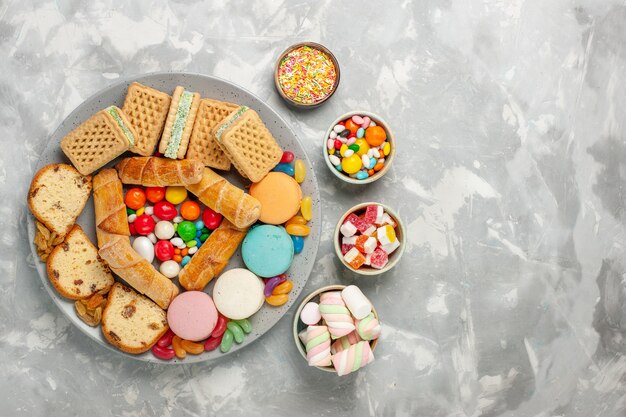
306, 75
369, 238
171, 234
277, 290
346, 317
357, 147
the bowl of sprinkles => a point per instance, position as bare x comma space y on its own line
359, 147
307, 74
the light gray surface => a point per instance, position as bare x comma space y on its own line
509, 115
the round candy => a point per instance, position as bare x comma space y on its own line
363, 147
267, 250
155, 194
190, 210
211, 218
186, 230
279, 195
164, 230
165, 210
351, 126
144, 247
238, 293
144, 224
170, 269
135, 198
164, 250
375, 135
351, 164
192, 315
176, 195
310, 314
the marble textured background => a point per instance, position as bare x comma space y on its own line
510, 299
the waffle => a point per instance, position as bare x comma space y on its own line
180, 150
97, 141
202, 144
146, 109
248, 143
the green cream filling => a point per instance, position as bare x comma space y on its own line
129, 135
182, 112
218, 135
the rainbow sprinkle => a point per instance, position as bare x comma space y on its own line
307, 75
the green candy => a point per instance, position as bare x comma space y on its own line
186, 230
354, 147
227, 341
191, 243
205, 231
129, 211
245, 325
236, 330
204, 237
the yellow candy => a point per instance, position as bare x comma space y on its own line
140, 211
386, 148
277, 300
351, 164
343, 149
298, 229
283, 288
300, 171
175, 195
296, 220
363, 146
331, 151
306, 208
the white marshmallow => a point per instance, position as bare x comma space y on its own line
356, 302
348, 229
370, 245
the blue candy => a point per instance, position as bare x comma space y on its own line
185, 260
298, 243
198, 233
361, 175
199, 225
198, 241
372, 163
360, 133
285, 168
338, 167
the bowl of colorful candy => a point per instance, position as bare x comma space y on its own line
359, 147
336, 329
369, 239
306, 75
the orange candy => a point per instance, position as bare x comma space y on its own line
177, 258
178, 349
351, 126
375, 135
192, 347
184, 252
277, 300
370, 172
296, 220
283, 288
177, 251
190, 210
378, 166
360, 241
135, 198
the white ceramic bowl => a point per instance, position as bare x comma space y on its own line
395, 256
298, 325
388, 159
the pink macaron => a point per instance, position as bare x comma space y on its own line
192, 315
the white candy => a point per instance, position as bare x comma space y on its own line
330, 144
380, 213
351, 255
390, 247
149, 210
333, 135
350, 141
356, 302
351, 240
372, 124
370, 152
144, 248
164, 230
348, 153
342, 139
370, 230
382, 236
368, 259
177, 219
152, 238
170, 269
310, 314
132, 218
177, 241
370, 245
348, 229
387, 220
192, 250
334, 160
375, 153
366, 160
339, 128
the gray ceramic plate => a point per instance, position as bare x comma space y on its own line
210, 87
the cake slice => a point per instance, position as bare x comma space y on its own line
131, 322
57, 196
202, 144
76, 270
102, 138
179, 123
146, 109
248, 143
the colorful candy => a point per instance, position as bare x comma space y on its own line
163, 353
336, 314
368, 328
306, 207
298, 243
353, 358
144, 247
277, 300
287, 157
165, 210
175, 195
318, 346
164, 230
144, 224
186, 230
310, 314
170, 268
135, 198
155, 194
211, 218
190, 210
227, 341
299, 171
307, 75
298, 230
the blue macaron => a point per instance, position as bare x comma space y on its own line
267, 250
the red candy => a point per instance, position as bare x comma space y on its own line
131, 227
358, 222
370, 214
166, 339
165, 210
345, 248
287, 157
379, 259
155, 194
164, 250
338, 144
211, 219
212, 343
144, 224
220, 327
163, 353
